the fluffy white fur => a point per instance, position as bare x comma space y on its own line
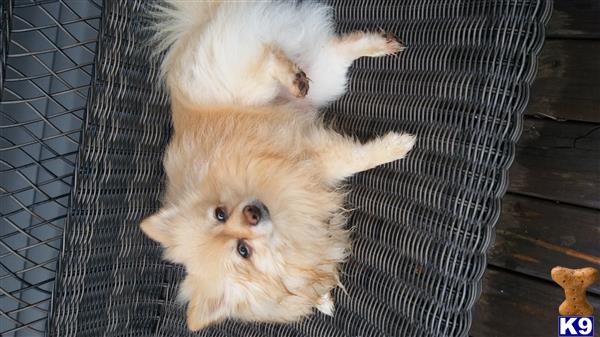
245, 80
214, 46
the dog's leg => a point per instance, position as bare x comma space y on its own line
286, 72
357, 44
329, 69
342, 157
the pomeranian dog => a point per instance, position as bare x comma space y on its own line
253, 207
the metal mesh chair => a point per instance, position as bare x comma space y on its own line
83, 128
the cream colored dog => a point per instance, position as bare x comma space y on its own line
253, 208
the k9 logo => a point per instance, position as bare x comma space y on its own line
575, 325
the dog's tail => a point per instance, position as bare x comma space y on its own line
171, 20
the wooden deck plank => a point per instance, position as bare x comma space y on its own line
566, 86
513, 305
534, 235
558, 161
575, 19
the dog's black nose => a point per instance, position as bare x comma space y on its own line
255, 212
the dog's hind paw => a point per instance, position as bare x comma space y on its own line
300, 84
393, 44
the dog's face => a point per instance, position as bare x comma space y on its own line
260, 238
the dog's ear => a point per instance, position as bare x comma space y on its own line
205, 306
326, 305
202, 313
159, 226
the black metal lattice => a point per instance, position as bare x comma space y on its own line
423, 224
48, 51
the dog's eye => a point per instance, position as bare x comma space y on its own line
243, 249
220, 214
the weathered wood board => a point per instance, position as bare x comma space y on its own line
567, 84
575, 19
534, 235
558, 161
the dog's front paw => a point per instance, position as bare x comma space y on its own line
396, 145
300, 84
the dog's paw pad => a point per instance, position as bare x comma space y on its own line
300, 84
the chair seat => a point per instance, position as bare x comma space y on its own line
82, 107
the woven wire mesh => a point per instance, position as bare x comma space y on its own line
48, 49
422, 224
112, 279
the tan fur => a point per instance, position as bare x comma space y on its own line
228, 155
